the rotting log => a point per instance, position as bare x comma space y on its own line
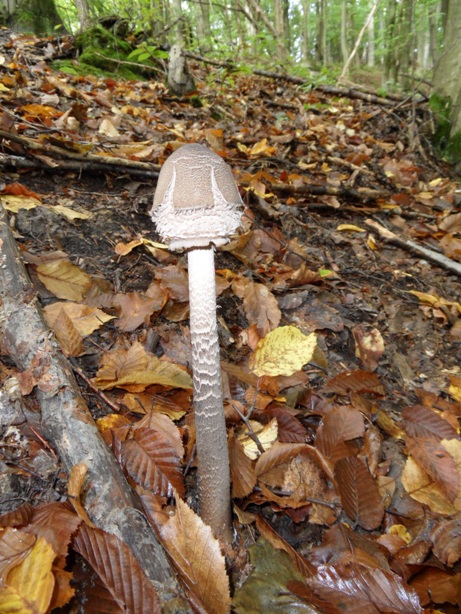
66, 422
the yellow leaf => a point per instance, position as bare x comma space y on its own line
433, 300
401, 531
262, 148
69, 213
14, 203
12, 603
85, 319
283, 351
122, 249
64, 279
266, 435
455, 392
350, 228
33, 580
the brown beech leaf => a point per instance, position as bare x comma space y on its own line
451, 246
174, 278
422, 422
277, 454
198, 558
290, 428
447, 541
354, 381
341, 544
163, 424
437, 586
360, 590
55, 522
241, 467
118, 569
451, 223
136, 309
19, 517
151, 460
339, 425
359, 493
67, 335
15, 546
259, 304
437, 463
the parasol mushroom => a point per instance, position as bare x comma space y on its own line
197, 207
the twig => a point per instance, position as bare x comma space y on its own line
411, 246
92, 387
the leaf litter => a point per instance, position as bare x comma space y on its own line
341, 352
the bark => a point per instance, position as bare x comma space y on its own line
65, 421
344, 49
415, 248
447, 75
83, 13
36, 16
203, 25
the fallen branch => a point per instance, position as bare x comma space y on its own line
75, 165
65, 420
411, 246
52, 150
328, 190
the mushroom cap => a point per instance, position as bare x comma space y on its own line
196, 202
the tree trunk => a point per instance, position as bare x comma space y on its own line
35, 16
305, 35
83, 13
447, 75
203, 26
344, 49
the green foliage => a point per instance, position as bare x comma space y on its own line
103, 53
147, 52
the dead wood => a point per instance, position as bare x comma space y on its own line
65, 420
48, 149
75, 165
350, 92
362, 194
415, 248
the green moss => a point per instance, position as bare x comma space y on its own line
102, 54
447, 145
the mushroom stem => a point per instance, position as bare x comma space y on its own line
210, 424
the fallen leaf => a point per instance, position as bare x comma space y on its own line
282, 352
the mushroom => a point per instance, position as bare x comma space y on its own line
196, 207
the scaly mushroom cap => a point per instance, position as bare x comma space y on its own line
196, 202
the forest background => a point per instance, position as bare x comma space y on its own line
409, 45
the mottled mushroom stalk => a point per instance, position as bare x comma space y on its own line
197, 207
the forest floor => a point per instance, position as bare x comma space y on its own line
361, 469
